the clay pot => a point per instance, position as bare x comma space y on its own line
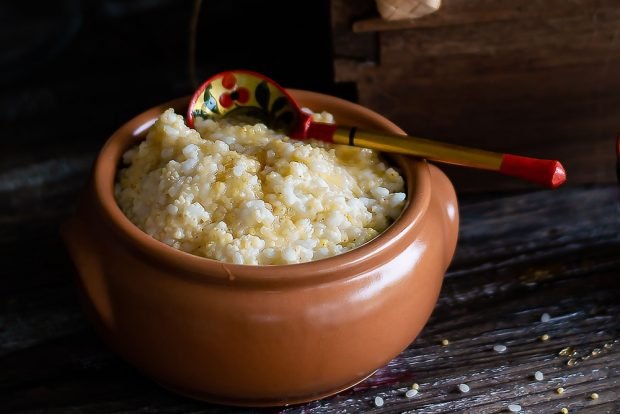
261, 335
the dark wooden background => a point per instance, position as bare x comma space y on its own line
72, 71
538, 78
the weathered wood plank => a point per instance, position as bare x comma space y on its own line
525, 77
467, 12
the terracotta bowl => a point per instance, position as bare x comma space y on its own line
261, 335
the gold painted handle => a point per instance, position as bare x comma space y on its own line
419, 147
548, 173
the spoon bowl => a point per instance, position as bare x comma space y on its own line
246, 95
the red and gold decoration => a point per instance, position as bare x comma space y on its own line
247, 94
244, 94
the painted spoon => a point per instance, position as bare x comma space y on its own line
250, 95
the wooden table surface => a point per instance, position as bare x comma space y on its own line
519, 256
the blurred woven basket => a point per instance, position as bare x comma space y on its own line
406, 9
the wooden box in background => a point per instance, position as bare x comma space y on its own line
533, 78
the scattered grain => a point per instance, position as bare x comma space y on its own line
538, 376
514, 408
608, 346
411, 393
378, 402
594, 396
571, 362
564, 410
500, 348
595, 351
415, 386
445, 342
545, 317
559, 390
463, 388
545, 337
567, 351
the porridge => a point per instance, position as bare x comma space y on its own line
245, 194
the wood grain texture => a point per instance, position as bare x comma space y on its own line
518, 256
532, 78
467, 12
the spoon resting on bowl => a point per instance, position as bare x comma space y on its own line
246, 94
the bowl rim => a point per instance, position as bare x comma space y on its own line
417, 178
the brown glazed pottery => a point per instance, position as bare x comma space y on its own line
261, 335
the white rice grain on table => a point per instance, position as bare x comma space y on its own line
411, 393
514, 408
378, 402
500, 348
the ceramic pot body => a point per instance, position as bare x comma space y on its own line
261, 335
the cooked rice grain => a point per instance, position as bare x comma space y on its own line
245, 194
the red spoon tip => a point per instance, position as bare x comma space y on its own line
559, 175
548, 173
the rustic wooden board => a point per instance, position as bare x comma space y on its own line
467, 12
533, 78
519, 256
